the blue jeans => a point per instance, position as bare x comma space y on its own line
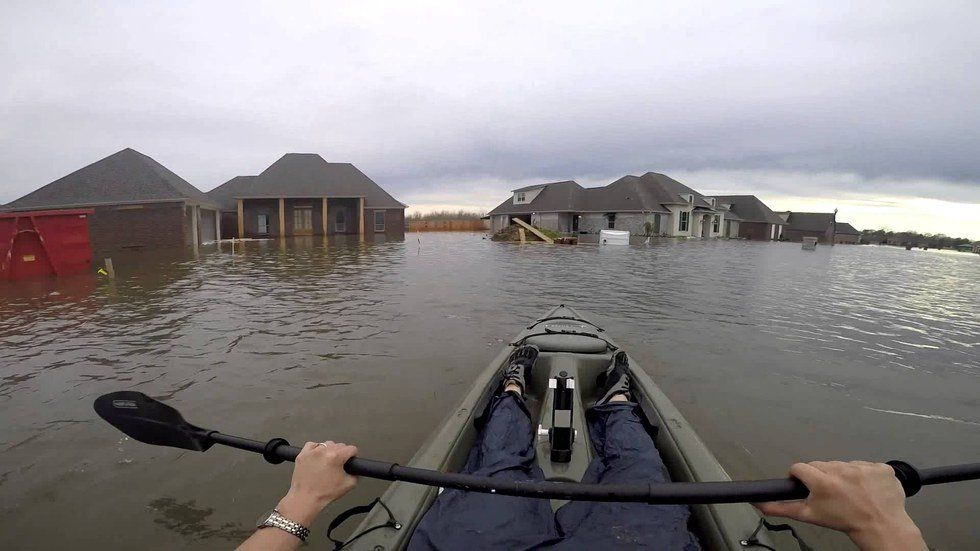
505, 449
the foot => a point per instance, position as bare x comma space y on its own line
519, 368
615, 382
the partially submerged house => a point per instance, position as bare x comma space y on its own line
847, 234
821, 225
136, 203
302, 194
751, 218
651, 204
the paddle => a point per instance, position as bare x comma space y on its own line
147, 420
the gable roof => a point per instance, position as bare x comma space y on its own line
647, 193
750, 208
125, 177
846, 229
555, 197
225, 194
810, 221
304, 175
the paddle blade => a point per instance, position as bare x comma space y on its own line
144, 419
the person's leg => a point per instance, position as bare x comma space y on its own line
468, 520
625, 454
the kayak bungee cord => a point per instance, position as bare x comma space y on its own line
153, 422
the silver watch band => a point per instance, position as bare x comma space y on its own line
276, 520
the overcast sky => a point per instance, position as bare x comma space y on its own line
873, 108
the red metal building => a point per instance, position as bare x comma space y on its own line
44, 243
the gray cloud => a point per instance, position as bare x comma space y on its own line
426, 97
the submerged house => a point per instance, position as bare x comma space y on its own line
751, 218
821, 225
651, 204
136, 203
846, 234
302, 194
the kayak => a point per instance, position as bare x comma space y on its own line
573, 352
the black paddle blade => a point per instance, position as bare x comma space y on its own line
149, 421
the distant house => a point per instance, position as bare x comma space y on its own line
137, 203
651, 204
302, 194
751, 218
846, 233
810, 224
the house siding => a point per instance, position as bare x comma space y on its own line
149, 225
846, 238
252, 208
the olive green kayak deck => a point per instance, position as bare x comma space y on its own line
583, 358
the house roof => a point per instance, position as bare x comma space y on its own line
125, 177
302, 175
810, 221
846, 229
528, 188
647, 193
750, 208
555, 197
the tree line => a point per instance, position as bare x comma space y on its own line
916, 239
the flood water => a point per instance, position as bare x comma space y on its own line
773, 353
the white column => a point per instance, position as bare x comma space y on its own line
195, 215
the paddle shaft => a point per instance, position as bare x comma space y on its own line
278, 450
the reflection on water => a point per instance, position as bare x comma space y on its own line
775, 354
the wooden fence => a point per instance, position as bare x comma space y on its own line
448, 225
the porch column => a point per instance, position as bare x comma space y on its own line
360, 216
217, 225
326, 219
241, 219
282, 217
195, 219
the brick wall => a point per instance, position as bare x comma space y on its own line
153, 225
757, 231
394, 222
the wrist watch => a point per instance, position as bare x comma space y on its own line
276, 520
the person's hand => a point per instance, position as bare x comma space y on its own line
864, 500
318, 479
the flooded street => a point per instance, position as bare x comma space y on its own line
773, 353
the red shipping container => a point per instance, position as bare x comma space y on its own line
44, 243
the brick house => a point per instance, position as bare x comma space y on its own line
755, 220
846, 234
302, 194
137, 204
821, 225
651, 204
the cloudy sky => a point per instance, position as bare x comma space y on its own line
869, 107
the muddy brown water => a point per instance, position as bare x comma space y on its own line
774, 354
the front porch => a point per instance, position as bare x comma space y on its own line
263, 217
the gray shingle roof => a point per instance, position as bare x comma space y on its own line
810, 221
306, 175
127, 176
846, 229
750, 209
555, 197
647, 193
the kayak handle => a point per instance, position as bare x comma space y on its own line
278, 450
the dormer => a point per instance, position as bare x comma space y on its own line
711, 201
525, 195
689, 197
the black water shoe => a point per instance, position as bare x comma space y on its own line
616, 379
519, 365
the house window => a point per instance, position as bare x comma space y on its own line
520, 197
263, 220
683, 221
303, 219
716, 225
379, 220
340, 222
611, 220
